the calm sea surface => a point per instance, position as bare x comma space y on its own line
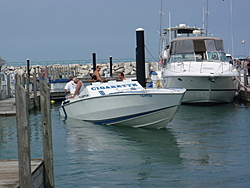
204, 146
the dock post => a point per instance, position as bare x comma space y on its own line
28, 76
22, 80
1, 88
8, 86
28, 90
47, 134
94, 61
110, 65
47, 71
140, 57
35, 89
23, 134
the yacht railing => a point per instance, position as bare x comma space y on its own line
187, 66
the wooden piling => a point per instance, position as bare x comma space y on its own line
94, 61
110, 66
8, 86
23, 135
36, 104
140, 57
47, 134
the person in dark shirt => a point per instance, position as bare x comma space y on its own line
94, 78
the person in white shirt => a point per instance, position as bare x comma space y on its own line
79, 87
70, 87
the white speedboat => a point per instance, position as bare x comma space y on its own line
199, 64
124, 103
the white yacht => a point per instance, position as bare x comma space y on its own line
198, 63
124, 103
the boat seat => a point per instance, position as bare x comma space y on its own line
127, 80
96, 83
112, 82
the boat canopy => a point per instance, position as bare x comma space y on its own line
196, 44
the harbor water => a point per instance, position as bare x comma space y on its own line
204, 146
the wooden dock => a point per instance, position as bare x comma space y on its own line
26, 172
9, 175
8, 106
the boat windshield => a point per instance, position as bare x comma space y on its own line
182, 57
199, 56
197, 49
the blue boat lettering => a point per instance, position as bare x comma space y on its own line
146, 95
95, 88
113, 86
86, 95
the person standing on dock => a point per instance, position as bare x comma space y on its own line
70, 87
97, 73
79, 87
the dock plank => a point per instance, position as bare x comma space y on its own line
9, 176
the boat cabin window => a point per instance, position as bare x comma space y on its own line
213, 56
223, 56
182, 57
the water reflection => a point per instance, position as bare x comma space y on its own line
211, 136
7, 137
200, 144
121, 152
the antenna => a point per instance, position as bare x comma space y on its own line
207, 19
160, 32
169, 26
203, 18
232, 30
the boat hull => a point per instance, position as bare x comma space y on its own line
126, 109
205, 89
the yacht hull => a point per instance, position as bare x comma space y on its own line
205, 89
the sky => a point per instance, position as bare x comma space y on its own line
52, 30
